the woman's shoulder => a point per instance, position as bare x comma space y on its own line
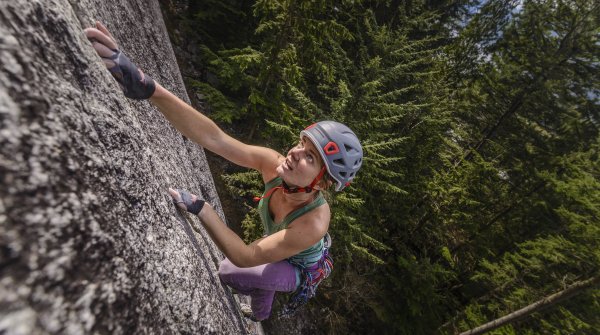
269, 173
316, 219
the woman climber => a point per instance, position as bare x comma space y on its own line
292, 256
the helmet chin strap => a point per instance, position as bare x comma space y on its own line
306, 189
287, 189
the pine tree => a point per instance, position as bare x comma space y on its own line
386, 86
529, 118
480, 129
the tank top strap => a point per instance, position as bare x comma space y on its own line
320, 200
272, 183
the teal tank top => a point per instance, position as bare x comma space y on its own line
307, 257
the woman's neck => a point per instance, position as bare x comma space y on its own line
297, 199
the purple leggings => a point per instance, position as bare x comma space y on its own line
260, 282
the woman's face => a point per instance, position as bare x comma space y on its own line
302, 164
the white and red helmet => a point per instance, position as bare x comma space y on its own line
340, 149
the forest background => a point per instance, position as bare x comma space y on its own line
479, 192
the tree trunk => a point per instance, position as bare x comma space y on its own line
549, 301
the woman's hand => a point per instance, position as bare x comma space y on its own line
187, 201
134, 83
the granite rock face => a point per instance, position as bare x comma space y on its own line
90, 241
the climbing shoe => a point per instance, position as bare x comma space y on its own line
247, 312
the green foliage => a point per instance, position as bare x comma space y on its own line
252, 226
248, 185
244, 183
526, 111
479, 122
221, 108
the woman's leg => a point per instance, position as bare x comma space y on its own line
260, 282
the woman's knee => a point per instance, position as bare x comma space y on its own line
226, 269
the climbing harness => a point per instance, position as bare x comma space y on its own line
310, 279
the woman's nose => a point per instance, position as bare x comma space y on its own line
297, 153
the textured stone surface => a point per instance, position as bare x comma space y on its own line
89, 239
186, 48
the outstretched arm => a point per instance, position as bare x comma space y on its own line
186, 119
202, 130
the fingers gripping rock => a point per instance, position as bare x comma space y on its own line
135, 84
192, 205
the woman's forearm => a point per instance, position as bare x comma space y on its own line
191, 123
226, 240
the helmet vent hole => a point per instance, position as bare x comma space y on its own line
349, 148
331, 148
339, 162
343, 174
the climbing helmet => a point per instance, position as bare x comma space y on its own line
340, 149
